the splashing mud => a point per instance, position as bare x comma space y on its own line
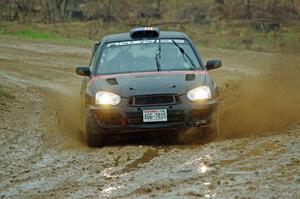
69, 114
260, 102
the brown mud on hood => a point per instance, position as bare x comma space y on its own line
148, 83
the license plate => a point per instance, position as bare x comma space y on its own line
156, 115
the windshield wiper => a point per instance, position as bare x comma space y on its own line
184, 54
158, 56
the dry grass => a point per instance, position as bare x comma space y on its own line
222, 34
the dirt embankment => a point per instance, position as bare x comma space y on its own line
43, 154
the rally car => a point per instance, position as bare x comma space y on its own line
147, 80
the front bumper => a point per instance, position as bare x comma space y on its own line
124, 118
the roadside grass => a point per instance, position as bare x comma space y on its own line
222, 34
36, 34
5, 95
2, 30
241, 36
32, 31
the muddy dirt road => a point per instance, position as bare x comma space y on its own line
43, 153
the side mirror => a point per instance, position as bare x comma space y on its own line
83, 71
213, 64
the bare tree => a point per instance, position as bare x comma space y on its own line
143, 11
62, 8
47, 11
106, 13
23, 8
222, 2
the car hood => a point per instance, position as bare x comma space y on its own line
148, 83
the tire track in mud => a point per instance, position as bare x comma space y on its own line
61, 101
38, 68
147, 156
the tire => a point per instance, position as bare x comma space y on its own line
90, 128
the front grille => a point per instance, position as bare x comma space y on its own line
109, 118
149, 100
136, 118
197, 115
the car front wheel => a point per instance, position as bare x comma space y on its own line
90, 128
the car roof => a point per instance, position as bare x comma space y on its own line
126, 36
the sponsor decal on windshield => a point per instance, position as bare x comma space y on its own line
150, 41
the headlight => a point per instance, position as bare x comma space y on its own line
200, 93
107, 98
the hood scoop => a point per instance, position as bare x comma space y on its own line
190, 77
112, 81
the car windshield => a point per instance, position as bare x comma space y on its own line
147, 55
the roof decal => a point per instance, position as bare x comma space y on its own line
144, 32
